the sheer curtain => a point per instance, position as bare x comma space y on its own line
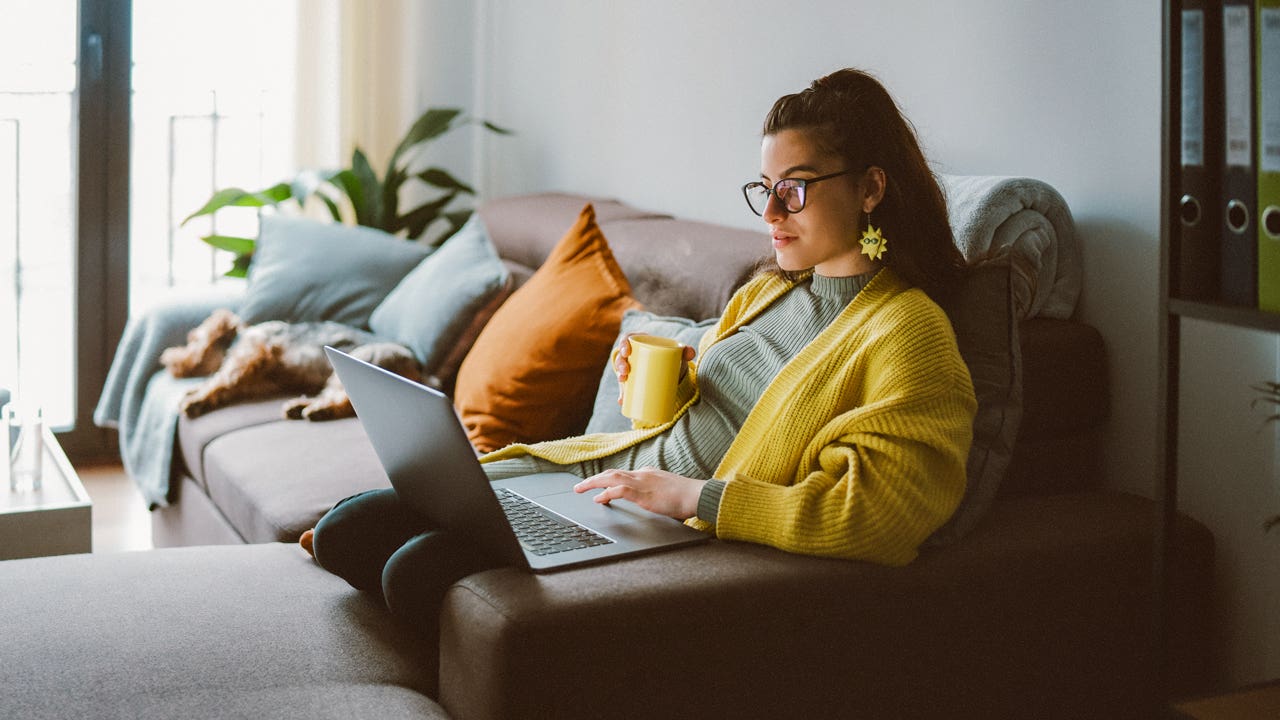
358, 79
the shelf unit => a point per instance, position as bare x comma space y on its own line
1172, 311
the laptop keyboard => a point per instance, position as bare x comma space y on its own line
542, 532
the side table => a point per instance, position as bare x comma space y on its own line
1255, 702
54, 520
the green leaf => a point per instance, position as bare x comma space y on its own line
457, 219
349, 184
417, 220
240, 267
275, 194
334, 211
236, 197
494, 128
439, 177
368, 212
391, 194
431, 124
231, 243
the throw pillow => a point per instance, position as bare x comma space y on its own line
305, 270
984, 316
606, 415
533, 371
437, 310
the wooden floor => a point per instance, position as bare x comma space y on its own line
121, 521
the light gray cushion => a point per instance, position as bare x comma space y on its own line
983, 314
441, 299
606, 415
304, 270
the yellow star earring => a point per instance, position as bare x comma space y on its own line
874, 245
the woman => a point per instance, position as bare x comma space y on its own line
829, 412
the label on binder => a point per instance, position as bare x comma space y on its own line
1193, 87
1269, 158
1237, 85
1269, 92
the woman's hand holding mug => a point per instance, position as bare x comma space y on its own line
660, 364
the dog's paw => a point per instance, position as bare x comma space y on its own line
329, 411
194, 407
177, 360
296, 408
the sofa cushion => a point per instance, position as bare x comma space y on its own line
438, 309
195, 434
304, 270
606, 414
236, 631
1065, 401
267, 495
982, 313
532, 373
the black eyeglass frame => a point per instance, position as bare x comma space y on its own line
800, 185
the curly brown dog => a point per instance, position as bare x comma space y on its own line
273, 357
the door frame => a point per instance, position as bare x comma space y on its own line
103, 99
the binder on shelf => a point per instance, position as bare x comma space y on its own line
1268, 154
1238, 232
1197, 252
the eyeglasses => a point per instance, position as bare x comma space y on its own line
789, 191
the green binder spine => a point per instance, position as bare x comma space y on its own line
1268, 84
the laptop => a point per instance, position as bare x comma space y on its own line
535, 521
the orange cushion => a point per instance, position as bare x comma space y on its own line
533, 371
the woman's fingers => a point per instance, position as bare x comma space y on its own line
621, 364
615, 484
603, 480
655, 490
615, 492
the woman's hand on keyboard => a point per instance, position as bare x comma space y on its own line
654, 490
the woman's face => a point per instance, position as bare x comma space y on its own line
824, 235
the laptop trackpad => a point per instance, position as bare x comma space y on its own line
582, 508
539, 484
555, 492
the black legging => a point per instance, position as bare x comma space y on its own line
380, 546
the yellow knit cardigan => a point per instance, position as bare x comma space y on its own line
855, 450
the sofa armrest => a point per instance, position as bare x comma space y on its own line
1042, 611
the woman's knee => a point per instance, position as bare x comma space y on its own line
418, 574
354, 539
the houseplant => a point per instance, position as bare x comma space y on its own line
358, 195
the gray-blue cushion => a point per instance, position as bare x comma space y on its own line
433, 307
606, 415
305, 270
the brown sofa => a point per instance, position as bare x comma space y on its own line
1043, 610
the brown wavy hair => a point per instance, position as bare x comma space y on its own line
849, 114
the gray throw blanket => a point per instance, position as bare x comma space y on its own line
1028, 222
142, 403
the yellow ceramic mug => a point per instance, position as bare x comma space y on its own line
649, 392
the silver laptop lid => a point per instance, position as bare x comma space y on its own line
425, 452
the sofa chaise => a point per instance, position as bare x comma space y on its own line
1039, 607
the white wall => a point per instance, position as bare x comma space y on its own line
659, 104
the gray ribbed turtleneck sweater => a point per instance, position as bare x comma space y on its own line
731, 378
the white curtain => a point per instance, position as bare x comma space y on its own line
358, 79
